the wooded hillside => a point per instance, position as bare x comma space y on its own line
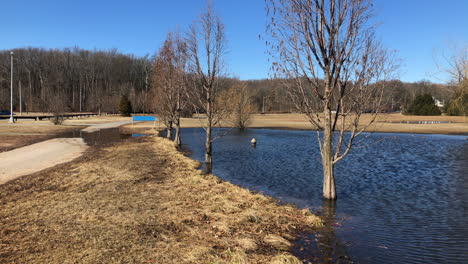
95, 80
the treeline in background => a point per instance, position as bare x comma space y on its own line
79, 80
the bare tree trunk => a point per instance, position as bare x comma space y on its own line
145, 105
20, 99
81, 110
177, 123
30, 105
208, 151
169, 130
41, 81
208, 129
329, 191
177, 140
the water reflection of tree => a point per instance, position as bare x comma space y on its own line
323, 246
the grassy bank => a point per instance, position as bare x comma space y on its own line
141, 201
391, 123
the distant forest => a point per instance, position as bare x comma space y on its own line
80, 79
94, 81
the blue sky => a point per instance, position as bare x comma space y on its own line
420, 30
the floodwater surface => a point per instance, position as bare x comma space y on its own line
101, 137
402, 198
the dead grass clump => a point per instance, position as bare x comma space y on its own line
277, 242
285, 259
246, 244
140, 202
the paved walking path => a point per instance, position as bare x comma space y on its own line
96, 127
39, 156
46, 154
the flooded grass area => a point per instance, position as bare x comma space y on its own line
402, 198
100, 138
104, 137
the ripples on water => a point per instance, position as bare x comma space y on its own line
401, 199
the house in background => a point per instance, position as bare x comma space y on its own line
438, 103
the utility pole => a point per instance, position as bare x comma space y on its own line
21, 105
12, 120
263, 104
80, 97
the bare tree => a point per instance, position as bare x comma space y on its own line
58, 109
163, 85
169, 82
206, 45
238, 101
326, 53
180, 80
458, 72
457, 64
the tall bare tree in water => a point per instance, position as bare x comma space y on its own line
206, 47
170, 82
327, 53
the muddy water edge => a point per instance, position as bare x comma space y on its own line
100, 138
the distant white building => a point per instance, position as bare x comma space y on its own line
438, 103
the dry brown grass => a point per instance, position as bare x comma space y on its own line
35, 127
97, 119
47, 127
28, 132
383, 123
459, 124
11, 142
141, 202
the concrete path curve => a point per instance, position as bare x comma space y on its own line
96, 127
46, 154
39, 156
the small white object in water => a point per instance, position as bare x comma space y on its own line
253, 141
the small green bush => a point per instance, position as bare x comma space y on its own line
125, 107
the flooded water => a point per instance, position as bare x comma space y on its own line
402, 198
101, 137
